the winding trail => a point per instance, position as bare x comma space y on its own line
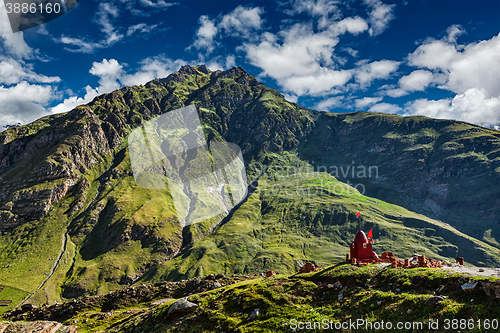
52, 270
63, 250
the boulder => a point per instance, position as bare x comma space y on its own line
253, 315
181, 307
469, 286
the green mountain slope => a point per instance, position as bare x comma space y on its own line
445, 169
74, 221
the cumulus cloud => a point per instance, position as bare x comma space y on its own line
13, 71
353, 25
24, 93
472, 106
476, 65
205, 35
242, 21
291, 98
367, 72
366, 101
416, 81
298, 59
222, 62
380, 15
385, 107
23, 103
73, 101
108, 72
471, 71
12, 44
329, 103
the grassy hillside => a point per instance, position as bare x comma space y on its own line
447, 170
335, 295
312, 216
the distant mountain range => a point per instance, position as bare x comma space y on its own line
74, 220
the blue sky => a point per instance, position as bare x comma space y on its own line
436, 58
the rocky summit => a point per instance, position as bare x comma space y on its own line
76, 219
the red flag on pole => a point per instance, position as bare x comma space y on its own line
358, 214
370, 234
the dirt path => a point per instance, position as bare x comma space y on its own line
475, 271
52, 270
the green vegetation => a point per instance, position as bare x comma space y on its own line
336, 294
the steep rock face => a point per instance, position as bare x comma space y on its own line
39, 170
57, 150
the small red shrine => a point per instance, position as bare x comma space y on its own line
361, 249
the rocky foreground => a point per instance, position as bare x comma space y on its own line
253, 303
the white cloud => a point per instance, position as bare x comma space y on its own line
152, 68
366, 101
109, 72
326, 11
327, 104
352, 52
291, 98
453, 32
315, 8
478, 66
416, 81
366, 72
434, 54
160, 4
300, 60
353, 25
105, 15
82, 46
12, 44
205, 35
23, 103
385, 107
14, 71
461, 67
380, 15
242, 21
142, 28
21, 99
321, 82
472, 106
222, 63
394, 92
73, 101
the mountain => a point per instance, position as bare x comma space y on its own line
74, 220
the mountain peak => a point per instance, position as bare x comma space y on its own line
187, 69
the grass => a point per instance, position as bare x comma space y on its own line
374, 294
